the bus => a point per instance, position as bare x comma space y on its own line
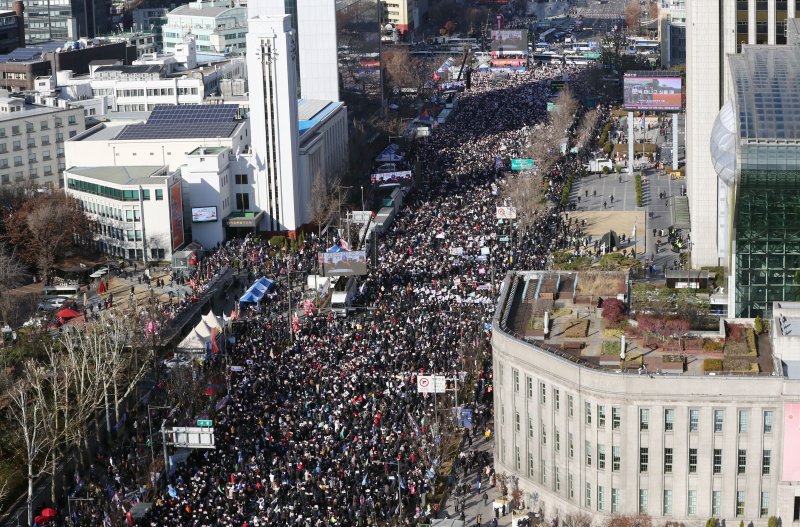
62, 291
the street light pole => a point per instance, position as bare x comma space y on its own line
362, 197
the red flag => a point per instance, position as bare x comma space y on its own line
214, 346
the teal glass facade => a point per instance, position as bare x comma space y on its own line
767, 240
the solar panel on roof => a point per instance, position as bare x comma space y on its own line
201, 113
167, 130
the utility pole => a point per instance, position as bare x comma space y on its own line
289, 298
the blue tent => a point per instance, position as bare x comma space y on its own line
251, 297
266, 282
336, 249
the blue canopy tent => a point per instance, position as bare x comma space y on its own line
251, 297
265, 282
257, 291
336, 249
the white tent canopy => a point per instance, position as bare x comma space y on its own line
193, 343
212, 321
203, 329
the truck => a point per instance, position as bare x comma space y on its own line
596, 165
344, 292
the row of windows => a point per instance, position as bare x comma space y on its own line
716, 467
743, 423
113, 193
644, 508
644, 452
43, 125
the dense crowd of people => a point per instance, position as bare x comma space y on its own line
329, 429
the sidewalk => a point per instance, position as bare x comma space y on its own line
474, 503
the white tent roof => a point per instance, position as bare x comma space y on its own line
203, 329
212, 320
193, 341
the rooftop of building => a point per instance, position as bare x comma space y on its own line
786, 336
766, 92
205, 9
558, 312
35, 53
185, 122
311, 112
208, 150
30, 110
119, 175
131, 70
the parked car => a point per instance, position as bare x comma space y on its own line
52, 304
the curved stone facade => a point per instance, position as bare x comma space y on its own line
677, 447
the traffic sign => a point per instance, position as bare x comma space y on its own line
205, 423
522, 164
431, 384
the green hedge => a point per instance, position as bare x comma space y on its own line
639, 190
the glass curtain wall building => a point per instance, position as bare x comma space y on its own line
359, 55
62, 20
715, 29
756, 153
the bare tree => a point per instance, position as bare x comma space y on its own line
587, 128
404, 70
629, 520
326, 198
84, 393
653, 10
577, 520
525, 192
31, 411
45, 227
632, 14
562, 117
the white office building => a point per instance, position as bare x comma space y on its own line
319, 67
154, 79
135, 212
216, 25
32, 141
715, 29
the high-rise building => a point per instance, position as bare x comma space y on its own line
359, 40
46, 20
404, 15
216, 26
271, 56
672, 27
756, 153
715, 29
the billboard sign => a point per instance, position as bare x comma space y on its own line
510, 63
176, 215
204, 214
510, 40
386, 179
345, 263
191, 437
653, 93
